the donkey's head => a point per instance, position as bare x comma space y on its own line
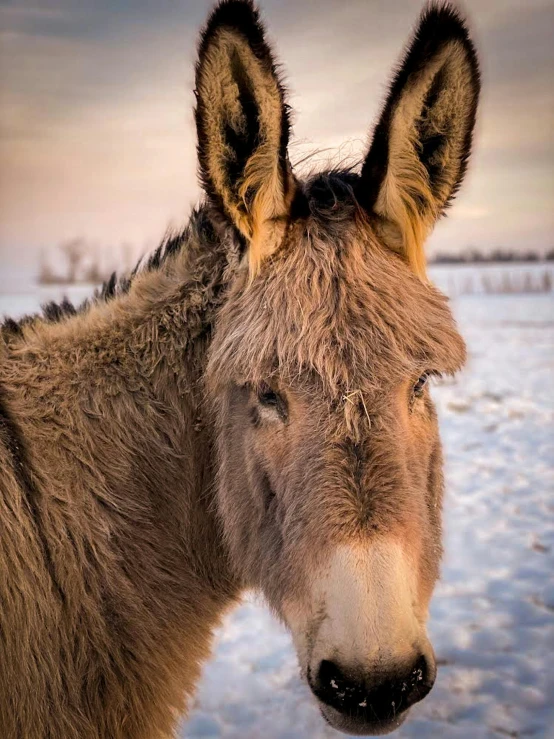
330, 480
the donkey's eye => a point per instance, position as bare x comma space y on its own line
419, 386
271, 400
268, 397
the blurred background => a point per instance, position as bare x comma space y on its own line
97, 161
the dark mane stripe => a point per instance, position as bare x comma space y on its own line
54, 312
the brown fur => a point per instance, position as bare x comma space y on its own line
220, 421
110, 582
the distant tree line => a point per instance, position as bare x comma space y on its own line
78, 261
473, 256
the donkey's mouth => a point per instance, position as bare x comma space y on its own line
356, 715
362, 724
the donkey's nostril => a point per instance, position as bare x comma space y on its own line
377, 697
331, 677
419, 681
421, 674
337, 690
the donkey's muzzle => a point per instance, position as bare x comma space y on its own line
376, 704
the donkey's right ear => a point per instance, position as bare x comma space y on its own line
243, 127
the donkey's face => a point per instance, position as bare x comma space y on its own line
330, 479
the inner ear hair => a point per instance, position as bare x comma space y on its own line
422, 141
243, 128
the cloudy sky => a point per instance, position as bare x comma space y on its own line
96, 130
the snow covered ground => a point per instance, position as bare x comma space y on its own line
492, 619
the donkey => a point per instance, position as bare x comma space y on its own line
249, 409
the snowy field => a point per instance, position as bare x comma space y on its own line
492, 619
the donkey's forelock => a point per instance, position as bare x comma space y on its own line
334, 304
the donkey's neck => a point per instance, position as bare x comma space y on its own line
131, 367
108, 405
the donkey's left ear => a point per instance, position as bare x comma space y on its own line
422, 142
243, 127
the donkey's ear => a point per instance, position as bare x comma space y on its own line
243, 127
422, 142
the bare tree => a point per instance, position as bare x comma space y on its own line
74, 250
46, 274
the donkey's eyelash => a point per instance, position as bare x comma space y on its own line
435, 375
419, 386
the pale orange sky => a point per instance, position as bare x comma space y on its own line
96, 130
